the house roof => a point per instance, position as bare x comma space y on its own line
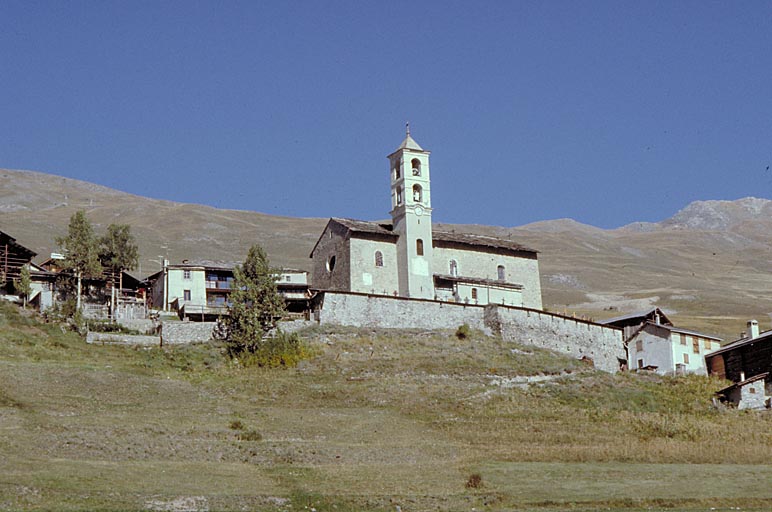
5, 238
643, 316
365, 229
742, 383
679, 330
764, 336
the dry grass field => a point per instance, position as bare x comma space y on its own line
376, 420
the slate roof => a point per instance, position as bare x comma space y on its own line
743, 383
386, 229
672, 328
409, 143
642, 315
764, 336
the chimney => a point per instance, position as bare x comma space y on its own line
753, 329
657, 320
742, 376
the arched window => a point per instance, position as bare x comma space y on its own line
399, 195
474, 293
416, 164
331, 263
417, 193
378, 259
453, 268
419, 247
502, 274
397, 172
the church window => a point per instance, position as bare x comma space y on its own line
378, 259
474, 293
186, 274
502, 273
686, 358
186, 295
453, 268
419, 247
416, 163
397, 173
399, 196
331, 263
417, 193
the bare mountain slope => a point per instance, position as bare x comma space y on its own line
36, 207
709, 264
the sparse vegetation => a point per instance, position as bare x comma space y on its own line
463, 331
374, 420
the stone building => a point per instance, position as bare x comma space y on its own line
653, 342
408, 257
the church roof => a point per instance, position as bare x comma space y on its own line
479, 241
410, 143
366, 229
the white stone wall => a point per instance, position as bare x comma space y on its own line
570, 336
655, 350
576, 338
365, 276
484, 265
362, 310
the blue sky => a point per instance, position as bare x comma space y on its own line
605, 112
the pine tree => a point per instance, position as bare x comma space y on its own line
81, 250
255, 304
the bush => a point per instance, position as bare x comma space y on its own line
107, 326
281, 350
474, 481
463, 331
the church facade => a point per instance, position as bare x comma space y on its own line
409, 258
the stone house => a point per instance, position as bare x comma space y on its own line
652, 341
748, 393
408, 257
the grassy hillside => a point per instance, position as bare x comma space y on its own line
376, 420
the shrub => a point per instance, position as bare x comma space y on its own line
281, 350
236, 425
474, 481
463, 331
249, 435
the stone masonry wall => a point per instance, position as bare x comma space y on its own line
177, 333
576, 338
364, 310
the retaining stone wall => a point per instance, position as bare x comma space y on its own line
111, 338
363, 310
178, 333
576, 338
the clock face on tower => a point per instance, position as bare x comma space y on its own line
419, 211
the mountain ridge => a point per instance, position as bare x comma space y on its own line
708, 262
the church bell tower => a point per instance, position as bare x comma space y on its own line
411, 214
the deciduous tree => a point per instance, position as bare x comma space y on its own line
81, 250
23, 285
118, 251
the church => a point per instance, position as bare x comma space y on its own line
409, 258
